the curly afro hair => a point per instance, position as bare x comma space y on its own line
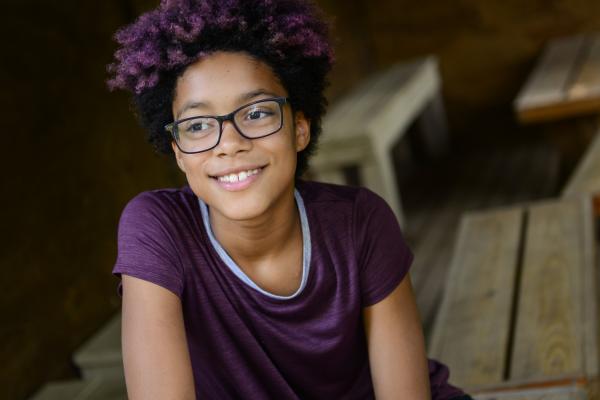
290, 36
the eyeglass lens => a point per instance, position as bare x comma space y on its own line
254, 121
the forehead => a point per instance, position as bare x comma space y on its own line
223, 78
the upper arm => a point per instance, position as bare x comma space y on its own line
396, 346
383, 257
155, 352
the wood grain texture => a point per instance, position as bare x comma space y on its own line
363, 127
561, 110
587, 82
385, 104
590, 294
586, 178
473, 325
551, 311
553, 72
565, 83
565, 393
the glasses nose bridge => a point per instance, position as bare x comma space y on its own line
229, 117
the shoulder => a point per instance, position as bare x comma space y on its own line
164, 207
155, 202
351, 199
160, 198
319, 192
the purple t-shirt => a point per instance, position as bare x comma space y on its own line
247, 343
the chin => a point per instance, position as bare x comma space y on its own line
241, 210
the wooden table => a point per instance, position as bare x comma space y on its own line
519, 310
562, 393
361, 129
585, 180
565, 81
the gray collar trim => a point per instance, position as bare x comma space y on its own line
306, 250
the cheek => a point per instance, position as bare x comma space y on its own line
287, 148
193, 165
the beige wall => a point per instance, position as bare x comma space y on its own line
73, 154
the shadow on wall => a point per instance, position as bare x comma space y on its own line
75, 156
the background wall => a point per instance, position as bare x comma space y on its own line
486, 49
74, 155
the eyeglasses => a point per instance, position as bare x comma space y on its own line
202, 133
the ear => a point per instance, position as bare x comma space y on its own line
178, 156
302, 125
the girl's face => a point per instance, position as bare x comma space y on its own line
264, 168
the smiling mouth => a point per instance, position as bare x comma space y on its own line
238, 177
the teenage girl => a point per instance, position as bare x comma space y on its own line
249, 283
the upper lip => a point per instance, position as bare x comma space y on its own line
236, 170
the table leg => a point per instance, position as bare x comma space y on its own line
432, 126
379, 176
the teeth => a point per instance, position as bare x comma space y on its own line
242, 176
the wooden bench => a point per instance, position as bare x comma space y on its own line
585, 180
361, 129
562, 393
519, 309
100, 363
565, 81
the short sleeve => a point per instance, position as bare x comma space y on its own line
146, 244
384, 258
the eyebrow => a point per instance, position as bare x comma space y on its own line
245, 97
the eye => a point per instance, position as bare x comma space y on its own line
199, 125
258, 113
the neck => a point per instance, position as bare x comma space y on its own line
263, 238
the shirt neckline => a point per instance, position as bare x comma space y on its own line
240, 274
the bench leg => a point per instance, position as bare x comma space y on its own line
378, 175
432, 126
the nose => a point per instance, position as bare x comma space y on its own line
232, 142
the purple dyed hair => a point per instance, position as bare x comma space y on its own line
155, 42
290, 36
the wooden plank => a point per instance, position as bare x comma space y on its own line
390, 99
574, 93
379, 176
548, 339
560, 110
392, 117
586, 84
351, 116
97, 388
564, 393
430, 268
472, 328
586, 178
552, 74
590, 294
102, 352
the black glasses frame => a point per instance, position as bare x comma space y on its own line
172, 127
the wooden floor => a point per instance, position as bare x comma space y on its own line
435, 195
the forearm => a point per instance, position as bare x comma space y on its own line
155, 353
397, 347
400, 372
